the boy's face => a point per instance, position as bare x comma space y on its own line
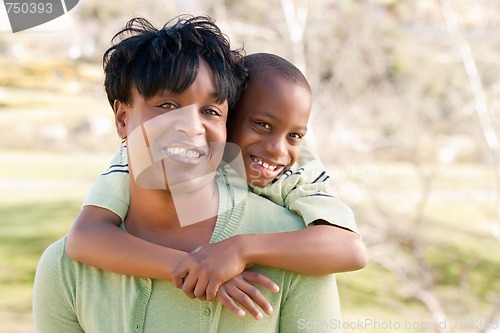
269, 122
175, 138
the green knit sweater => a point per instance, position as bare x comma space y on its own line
73, 297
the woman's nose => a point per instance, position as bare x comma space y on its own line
190, 121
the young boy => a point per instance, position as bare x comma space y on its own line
268, 124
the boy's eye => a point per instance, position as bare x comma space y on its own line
295, 136
263, 124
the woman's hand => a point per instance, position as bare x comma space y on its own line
242, 290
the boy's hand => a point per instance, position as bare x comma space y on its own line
206, 268
241, 290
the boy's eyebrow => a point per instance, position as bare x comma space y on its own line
272, 116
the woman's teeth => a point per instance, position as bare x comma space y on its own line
184, 152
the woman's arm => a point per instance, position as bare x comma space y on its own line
95, 239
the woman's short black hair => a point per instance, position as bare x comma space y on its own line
154, 60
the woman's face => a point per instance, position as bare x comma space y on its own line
173, 138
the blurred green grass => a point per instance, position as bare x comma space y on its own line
33, 216
40, 195
26, 230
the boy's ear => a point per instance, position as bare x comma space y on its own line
120, 109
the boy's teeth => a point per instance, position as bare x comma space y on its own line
265, 165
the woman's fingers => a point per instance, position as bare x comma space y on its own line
244, 300
241, 289
229, 303
255, 297
262, 280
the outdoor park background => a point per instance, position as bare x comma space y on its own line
406, 116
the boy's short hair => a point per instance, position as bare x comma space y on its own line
154, 60
260, 65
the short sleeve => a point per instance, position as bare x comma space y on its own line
306, 190
111, 190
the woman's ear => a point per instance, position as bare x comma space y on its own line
120, 109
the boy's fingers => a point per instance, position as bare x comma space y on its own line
212, 290
201, 287
178, 282
262, 280
178, 275
189, 284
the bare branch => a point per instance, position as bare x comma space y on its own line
475, 82
296, 19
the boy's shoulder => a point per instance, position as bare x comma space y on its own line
307, 156
111, 190
251, 212
265, 216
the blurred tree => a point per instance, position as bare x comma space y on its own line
389, 88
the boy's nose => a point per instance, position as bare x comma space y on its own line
190, 121
276, 146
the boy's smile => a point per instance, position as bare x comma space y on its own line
268, 124
268, 169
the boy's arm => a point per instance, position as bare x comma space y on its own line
332, 242
331, 245
317, 250
95, 239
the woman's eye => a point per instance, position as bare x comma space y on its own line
168, 105
211, 112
